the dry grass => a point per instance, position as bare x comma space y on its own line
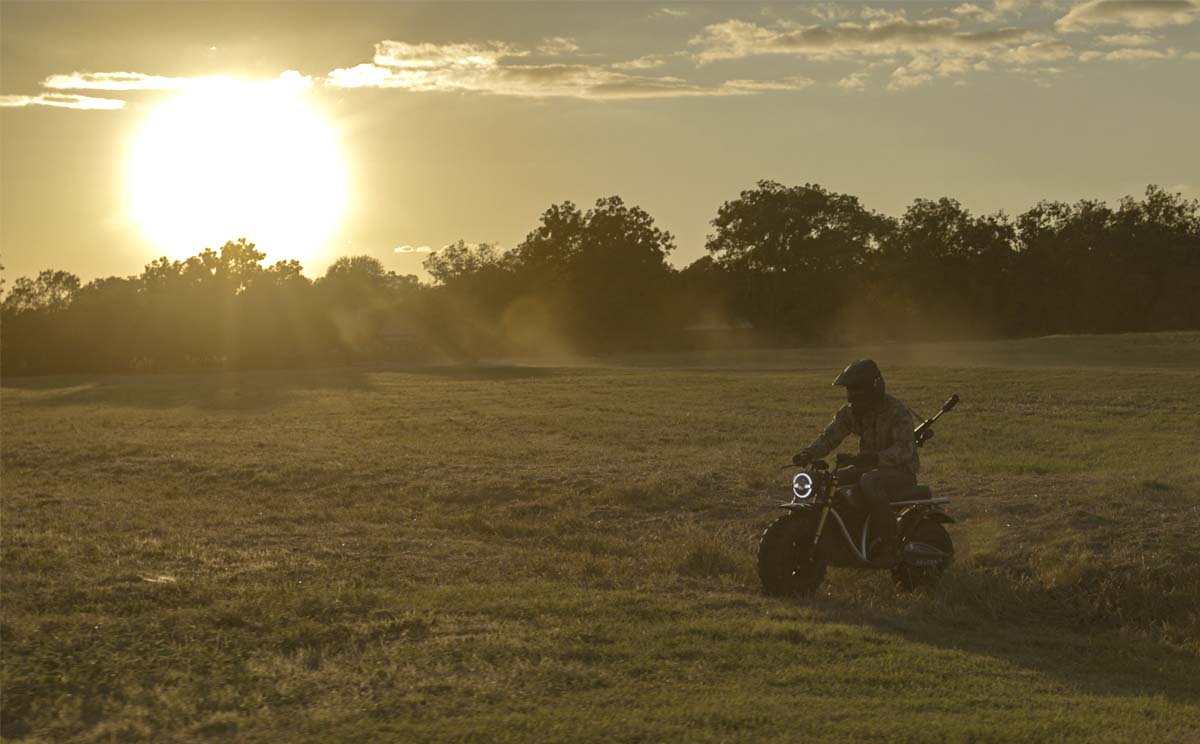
517, 553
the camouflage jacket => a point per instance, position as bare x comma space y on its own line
888, 431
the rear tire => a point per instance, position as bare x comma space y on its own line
907, 577
782, 564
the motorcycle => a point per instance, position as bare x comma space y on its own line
824, 526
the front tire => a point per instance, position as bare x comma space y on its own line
783, 566
907, 577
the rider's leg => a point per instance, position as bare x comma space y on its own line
878, 487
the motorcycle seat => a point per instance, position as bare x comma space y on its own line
919, 491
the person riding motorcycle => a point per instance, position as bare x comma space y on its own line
887, 450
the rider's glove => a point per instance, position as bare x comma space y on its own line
804, 457
866, 459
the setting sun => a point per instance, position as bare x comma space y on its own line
233, 159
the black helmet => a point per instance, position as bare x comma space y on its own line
864, 384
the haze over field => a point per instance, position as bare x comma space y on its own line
134, 130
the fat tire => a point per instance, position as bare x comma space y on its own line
780, 567
930, 533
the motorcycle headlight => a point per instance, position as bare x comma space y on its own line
802, 486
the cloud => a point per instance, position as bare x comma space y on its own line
648, 62
127, 82
882, 14
972, 12
670, 13
132, 81
855, 82
413, 249
757, 86
904, 78
1037, 52
554, 46
488, 68
998, 10
62, 100
429, 56
935, 47
735, 39
1128, 40
831, 12
1136, 13
1131, 54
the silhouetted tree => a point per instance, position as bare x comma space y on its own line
51, 291
794, 253
364, 303
604, 271
941, 269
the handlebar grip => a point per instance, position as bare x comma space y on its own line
951, 403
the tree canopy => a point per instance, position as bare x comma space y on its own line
798, 264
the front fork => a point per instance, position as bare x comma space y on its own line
812, 549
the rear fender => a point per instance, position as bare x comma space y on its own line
937, 515
915, 514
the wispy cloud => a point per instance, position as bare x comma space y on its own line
855, 82
555, 46
430, 56
832, 12
489, 68
1135, 13
671, 13
60, 100
904, 78
1131, 54
999, 9
918, 51
129, 82
1035, 53
737, 39
132, 81
648, 62
973, 12
1128, 40
758, 86
413, 249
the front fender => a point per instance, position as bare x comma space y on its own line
795, 507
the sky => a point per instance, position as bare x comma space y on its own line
134, 130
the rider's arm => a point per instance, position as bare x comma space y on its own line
903, 447
833, 435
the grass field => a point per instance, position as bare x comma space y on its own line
544, 553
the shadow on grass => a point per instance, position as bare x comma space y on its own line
214, 390
1042, 630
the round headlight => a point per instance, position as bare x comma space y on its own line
802, 485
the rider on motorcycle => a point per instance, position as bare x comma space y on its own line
887, 450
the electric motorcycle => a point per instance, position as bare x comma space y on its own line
826, 526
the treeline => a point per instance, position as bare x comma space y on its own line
785, 265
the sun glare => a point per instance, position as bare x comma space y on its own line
237, 159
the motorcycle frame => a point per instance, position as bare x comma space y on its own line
825, 504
